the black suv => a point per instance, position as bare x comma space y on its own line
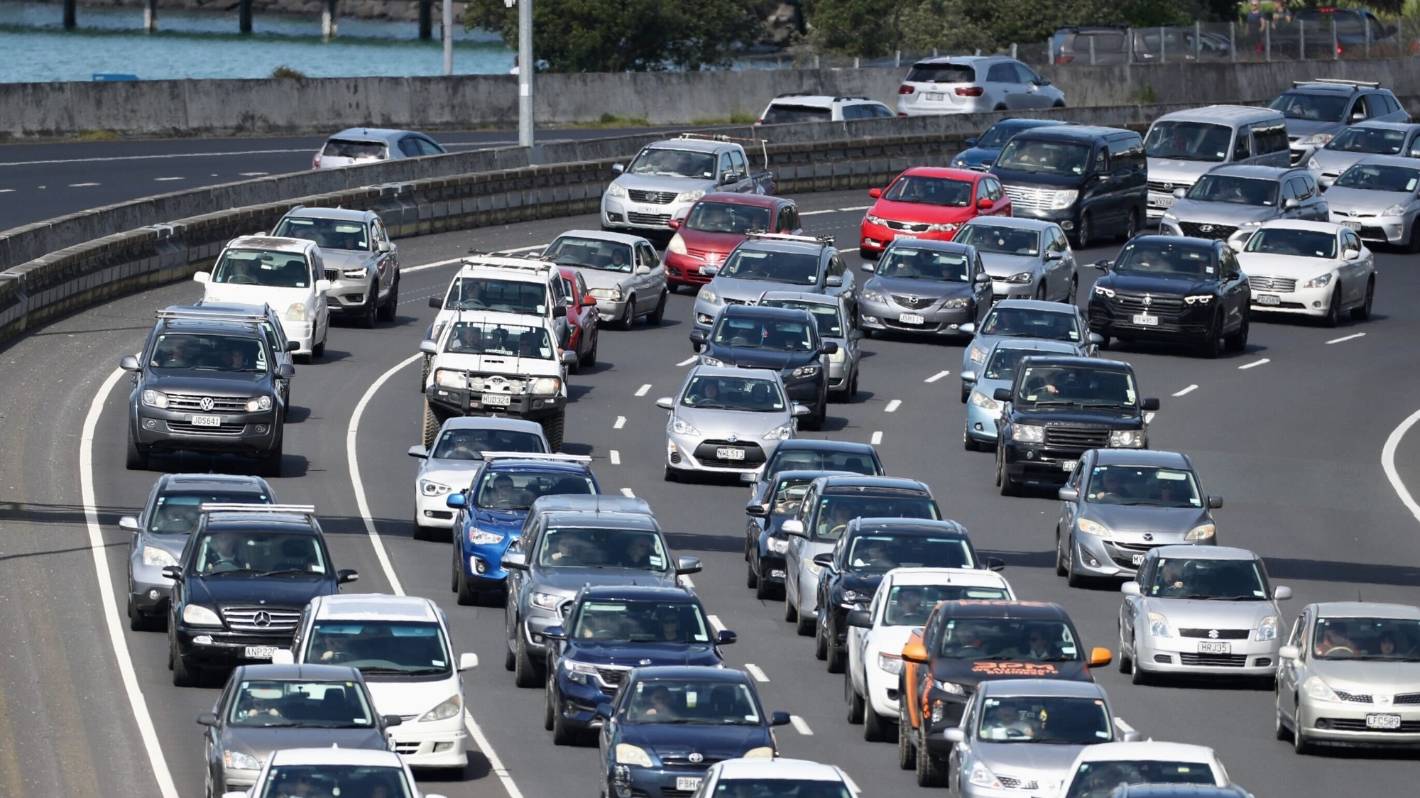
1174, 289
785, 340
1059, 407
244, 578
207, 382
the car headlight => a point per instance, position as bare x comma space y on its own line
449, 378
956, 303
783, 432
157, 558
981, 776
353, 274
681, 427
1394, 210
890, 663
762, 752
154, 398
579, 672
1313, 165
1126, 438
950, 688
870, 295
1090, 527
547, 601
428, 487
236, 760
297, 312
706, 360
259, 404
1198, 299
777, 545
851, 599
677, 245
1320, 281
1316, 139
690, 196
448, 708
977, 354
1107, 293
546, 386
479, 537
959, 163
1316, 688
946, 227
634, 755
1027, 433
615, 190
1266, 630
708, 295
198, 615
610, 294
805, 371
1201, 532
1159, 625
985, 402
871, 219
1063, 199
1020, 277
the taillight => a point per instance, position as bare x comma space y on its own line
1064, 59
968, 91
905, 89
315, 161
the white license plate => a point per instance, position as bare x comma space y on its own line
1268, 299
1209, 647
259, 652
709, 271
1146, 320
934, 96
687, 783
1161, 200
497, 400
206, 421
911, 318
1353, 225
1068, 465
729, 453
1136, 560
1383, 721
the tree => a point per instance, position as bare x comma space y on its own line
627, 35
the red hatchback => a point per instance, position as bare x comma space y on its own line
715, 225
929, 202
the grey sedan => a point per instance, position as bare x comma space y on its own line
622, 271
1028, 258
727, 420
923, 286
1379, 198
835, 324
1238, 197
1358, 141
361, 262
1024, 318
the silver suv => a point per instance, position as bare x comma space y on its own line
973, 85
361, 262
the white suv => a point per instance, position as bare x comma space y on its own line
796, 107
973, 85
285, 273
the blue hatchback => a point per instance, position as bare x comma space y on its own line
489, 515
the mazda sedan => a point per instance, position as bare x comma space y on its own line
931, 287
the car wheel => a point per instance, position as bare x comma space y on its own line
140, 621
1009, 486
906, 754
271, 463
137, 459
371, 308
876, 728
671, 475
424, 373
751, 578
1363, 313
820, 643
1237, 342
1300, 744
1072, 578
790, 613
390, 306
552, 427
660, 311
628, 314
965, 394
930, 769
806, 625
1059, 556
1213, 345
422, 532
525, 671
184, 675
510, 662
968, 443
431, 425
318, 350
1333, 308
854, 701
548, 713
1414, 244
562, 731
1138, 675
455, 569
816, 421
467, 595
837, 656
865, 254
1073, 292
1131, 227
1084, 234
1126, 662
1279, 726
590, 359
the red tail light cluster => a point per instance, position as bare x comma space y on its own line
905, 89
969, 91
315, 161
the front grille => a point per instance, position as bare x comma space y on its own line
1208, 230
910, 227
729, 301
193, 403
246, 619
703, 254
1407, 698
1282, 285
1359, 725
406, 748
1123, 554
705, 453
653, 197
1354, 698
914, 302
683, 761
611, 677
192, 429
332, 274
1033, 199
1166, 188
1081, 438
1216, 634
498, 384
648, 218
1214, 660
1013, 783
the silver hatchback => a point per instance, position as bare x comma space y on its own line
727, 420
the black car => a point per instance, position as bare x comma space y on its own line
1058, 408
612, 629
1174, 289
981, 151
244, 578
765, 541
869, 549
780, 339
806, 454
669, 724
209, 383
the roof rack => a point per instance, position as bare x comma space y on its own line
1354, 84
233, 507
252, 318
825, 240
507, 261
850, 97
550, 456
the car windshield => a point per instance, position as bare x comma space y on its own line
346, 148
717, 703
779, 788
504, 296
1295, 243
830, 324
1000, 239
266, 268
882, 552
1084, 386
207, 352
177, 513
1234, 190
1166, 257
998, 134
930, 191
327, 233
1188, 141
1203, 579
909, 605
1100, 779
1392, 639
469, 444
1311, 107
517, 490
1018, 322
674, 163
781, 335
591, 253
789, 495
380, 647
1377, 177
941, 73
920, 263
727, 217
836, 510
1376, 141
746, 394
779, 113
1009, 639
330, 781
1003, 362
251, 553
492, 338
607, 621
855, 462
1057, 720
298, 703
589, 547
796, 268
1045, 157
1143, 485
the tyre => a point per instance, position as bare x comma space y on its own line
422, 532
1413, 245
865, 254
1137, 675
1072, 578
1126, 663
525, 671
876, 728
391, 304
562, 731
931, 770
790, 614
751, 578
1333, 308
837, 656
1363, 312
854, 701
1008, 484
468, 597
1131, 227
968, 443
590, 359
431, 425
271, 463
820, 643
1074, 291
670, 475
184, 675
1059, 556
552, 427
1279, 727
140, 621
1212, 347
424, 373
371, 309
510, 662
628, 314
1084, 234
548, 713
906, 754
806, 625
318, 350
1301, 746
820, 414
137, 459
965, 394
660, 312
1237, 342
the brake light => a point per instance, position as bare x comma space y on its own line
905, 89
315, 161
968, 91
1064, 59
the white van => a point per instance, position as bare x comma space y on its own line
1183, 145
286, 273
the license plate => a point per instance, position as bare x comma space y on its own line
911, 318
1161, 200
729, 453
709, 271
1268, 299
775, 573
1208, 647
259, 652
1390, 722
934, 96
497, 400
1146, 320
687, 783
1353, 225
1068, 465
1136, 560
206, 421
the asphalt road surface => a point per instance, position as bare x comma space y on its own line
1291, 432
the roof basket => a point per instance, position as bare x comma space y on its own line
232, 507
549, 456
507, 261
251, 318
1354, 84
825, 240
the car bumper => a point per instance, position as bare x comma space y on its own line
696, 453
882, 688
1037, 463
956, 105
432, 511
771, 568
685, 269
652, 782
622, 213
483, 564
432, 744
1106, 320
981, 423
935, 321
703, 316
1301, 302
1181, 655
534, 625
1377, 229
172, 430
1000, 289
577, 703
148, 590
216, 648
874, 238
238, 779
1067, 218
463, 403
1344, 723
609, 310
347, 295
302, 332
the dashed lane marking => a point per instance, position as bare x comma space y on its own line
251, 174
620, 422
1351, 337
685, 582
615, 457
715, 623
937, 376
877, 437
757, 672
856, 208
801, 726
818, 213
1186, 391
167, 179
1254, 364
84, 185
644, 389
893, 406
687, 361
627, 493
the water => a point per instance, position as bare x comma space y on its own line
202, 44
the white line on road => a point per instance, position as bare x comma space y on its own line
893, 406
937, 376
856, 208
1254, 364
168, 179
6, 190
615, 457
1392, 442
757, 672
620, 422
1186, 391
1351, 337
688, 361
627, 493
644, 389
84, 185
801, 726
715, 623
1123, 727
877, 437
426, 266
251, 174
818, 213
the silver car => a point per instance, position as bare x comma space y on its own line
1234, 198
727, 420
1024, 318
772, 262
622, 271
973, 85
455, 458
359, 145
1350, 675
925, 287
1358, 141
1379, 198
1028, 258
999, 371
1200, 610
361, 262
835, 325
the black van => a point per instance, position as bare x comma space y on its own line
1092, 181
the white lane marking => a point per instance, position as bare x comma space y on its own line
1186, 391
426, 266
757, 672
84, 185
937, 376
856, 208
619, 423
6, 190
1351, 337
877, 437
644, 389
615, 457
801, 726
1254, 364
715, 623
688, 361
685, 582
167, 179
1392, 442
528, 248
628, 493
893, 406
818, 213
1123, 727
98, 549
149, 157
251, 174
494, 763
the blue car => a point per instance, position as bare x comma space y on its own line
981, 152
489, 514
669, 724
609, 631
765, 542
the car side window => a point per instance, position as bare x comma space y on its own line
855, 112
1101, 161
836, 268
409, 145
1001, 73
785, 222
737, 161
1362, 108
648, 256
1289, 190
1229, 262
726, 165
876, 111
1242, 148
1349, 240
1026, 75
429, 147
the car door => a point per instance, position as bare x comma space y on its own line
1314, 205
726, 179
741, 167
1003, 86
1353, 272
654, 282
387, 265
1069, 511
1291, 673
980, 289
1096, 195
837, 268
1131, 606
1037, 93
795, 553
1236, 296
319, 307
1064, 267
858, 639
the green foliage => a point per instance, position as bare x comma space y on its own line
284, 72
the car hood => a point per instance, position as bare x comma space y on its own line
864, 583
1154, 284
681, 740
633, 655
1048, 764
1301, 128
1227, 213
748, 291
509, 522
971, 673
751, 357
1024, 179
710, 242
284, 591
743, 425
1177, 173
1111, 418
1141, 524
602, 278
889, 639
910, 287
408, 698
920, 212
1367, 676
570, 580
977, 157
1203, 614
172, 543
1334, 162
347, 258
454, 473
1255, 264
1001, 264
260, 742
1365, 200
499, 364
231, 383
663, 183
988, 387
278, 298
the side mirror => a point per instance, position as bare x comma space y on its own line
829, 348
1214, 502
862, 619
968, 377
603, 711
286, 371
710, 269
468, 661
794, 528
1289, 652
202, 277
589, 301
643, 269
1102, 265
983, 203
429, 347
687, 565
1054, 254
725, 637
207, 719
129, 363
1130, 736
1001, 394
824, 560
1281, 593
384, 247
869, 267
969, 328
1099, 657
436, 302
995, 564
173, 572
757, 510
559, 311
1236, 244
697, 337
833, 280
322, 286
515, 561
1095, 339
555, 632
665, 403
675, 223
391, 720
954, 735
455, 501
914, 651
727, 178
875, 192
618, 168
779, 718
418, 451
569, 358
1179, 193
799, 410
982, 277
1291, 202
345, 575
1130, 588
1150, 404
1351, 254
129, 523
1359, 116
971, 142
1068, 494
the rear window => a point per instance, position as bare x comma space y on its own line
941, 73
344, 148
781, 113
1105, 42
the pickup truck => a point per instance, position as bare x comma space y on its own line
667, 177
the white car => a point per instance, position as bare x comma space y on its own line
455, 458
286, 273
333, 771
1099, 769
778, 776
796, 107
973, 84
1308, 268
876, 635
401, 646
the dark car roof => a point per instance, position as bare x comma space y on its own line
1023, 124
809, 474
763, 312
606, 520
227, 483
1141, 457
821, 445
304, 672
704, 673
851, 481
1164, 238
754, 200
195, 325
1005, 610
1178, 791
639, 593
935, 245
1072, 360
905, 526
784, 245
279, 523
1077, 133
1257, 171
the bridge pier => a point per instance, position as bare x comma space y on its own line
327, 19
71, 16
150, 15
426, 19
244, 16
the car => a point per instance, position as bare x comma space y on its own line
876, 635
1173, 289
922, 286
1360, 140
965, 84
1058, 408
360, 145
772, 262
868, 549
1094, 45
726, 420
669, 724
334, 771
802, 107
361, 262
263, 316
285, 273
1204, 610
265, 708
1098, 770
403, 647
241, 584
1023, 734
496, 364
806, 454
715, 225
981, 151
1348, 676
161, 529
490, 513
1118, 504
1026, 258
765, 541
1179, 791
965, 643
1379, 198
1181, 146
1230, 199
784, 340
610, 630
780, 775
456, 457
1092, 181
1023, 318
928, 203
1316, 269
1355, 29
623, 272
572, 542
1318, 109
999, 371
835, 326
207, 383
829, 505
583, 321
667, 176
